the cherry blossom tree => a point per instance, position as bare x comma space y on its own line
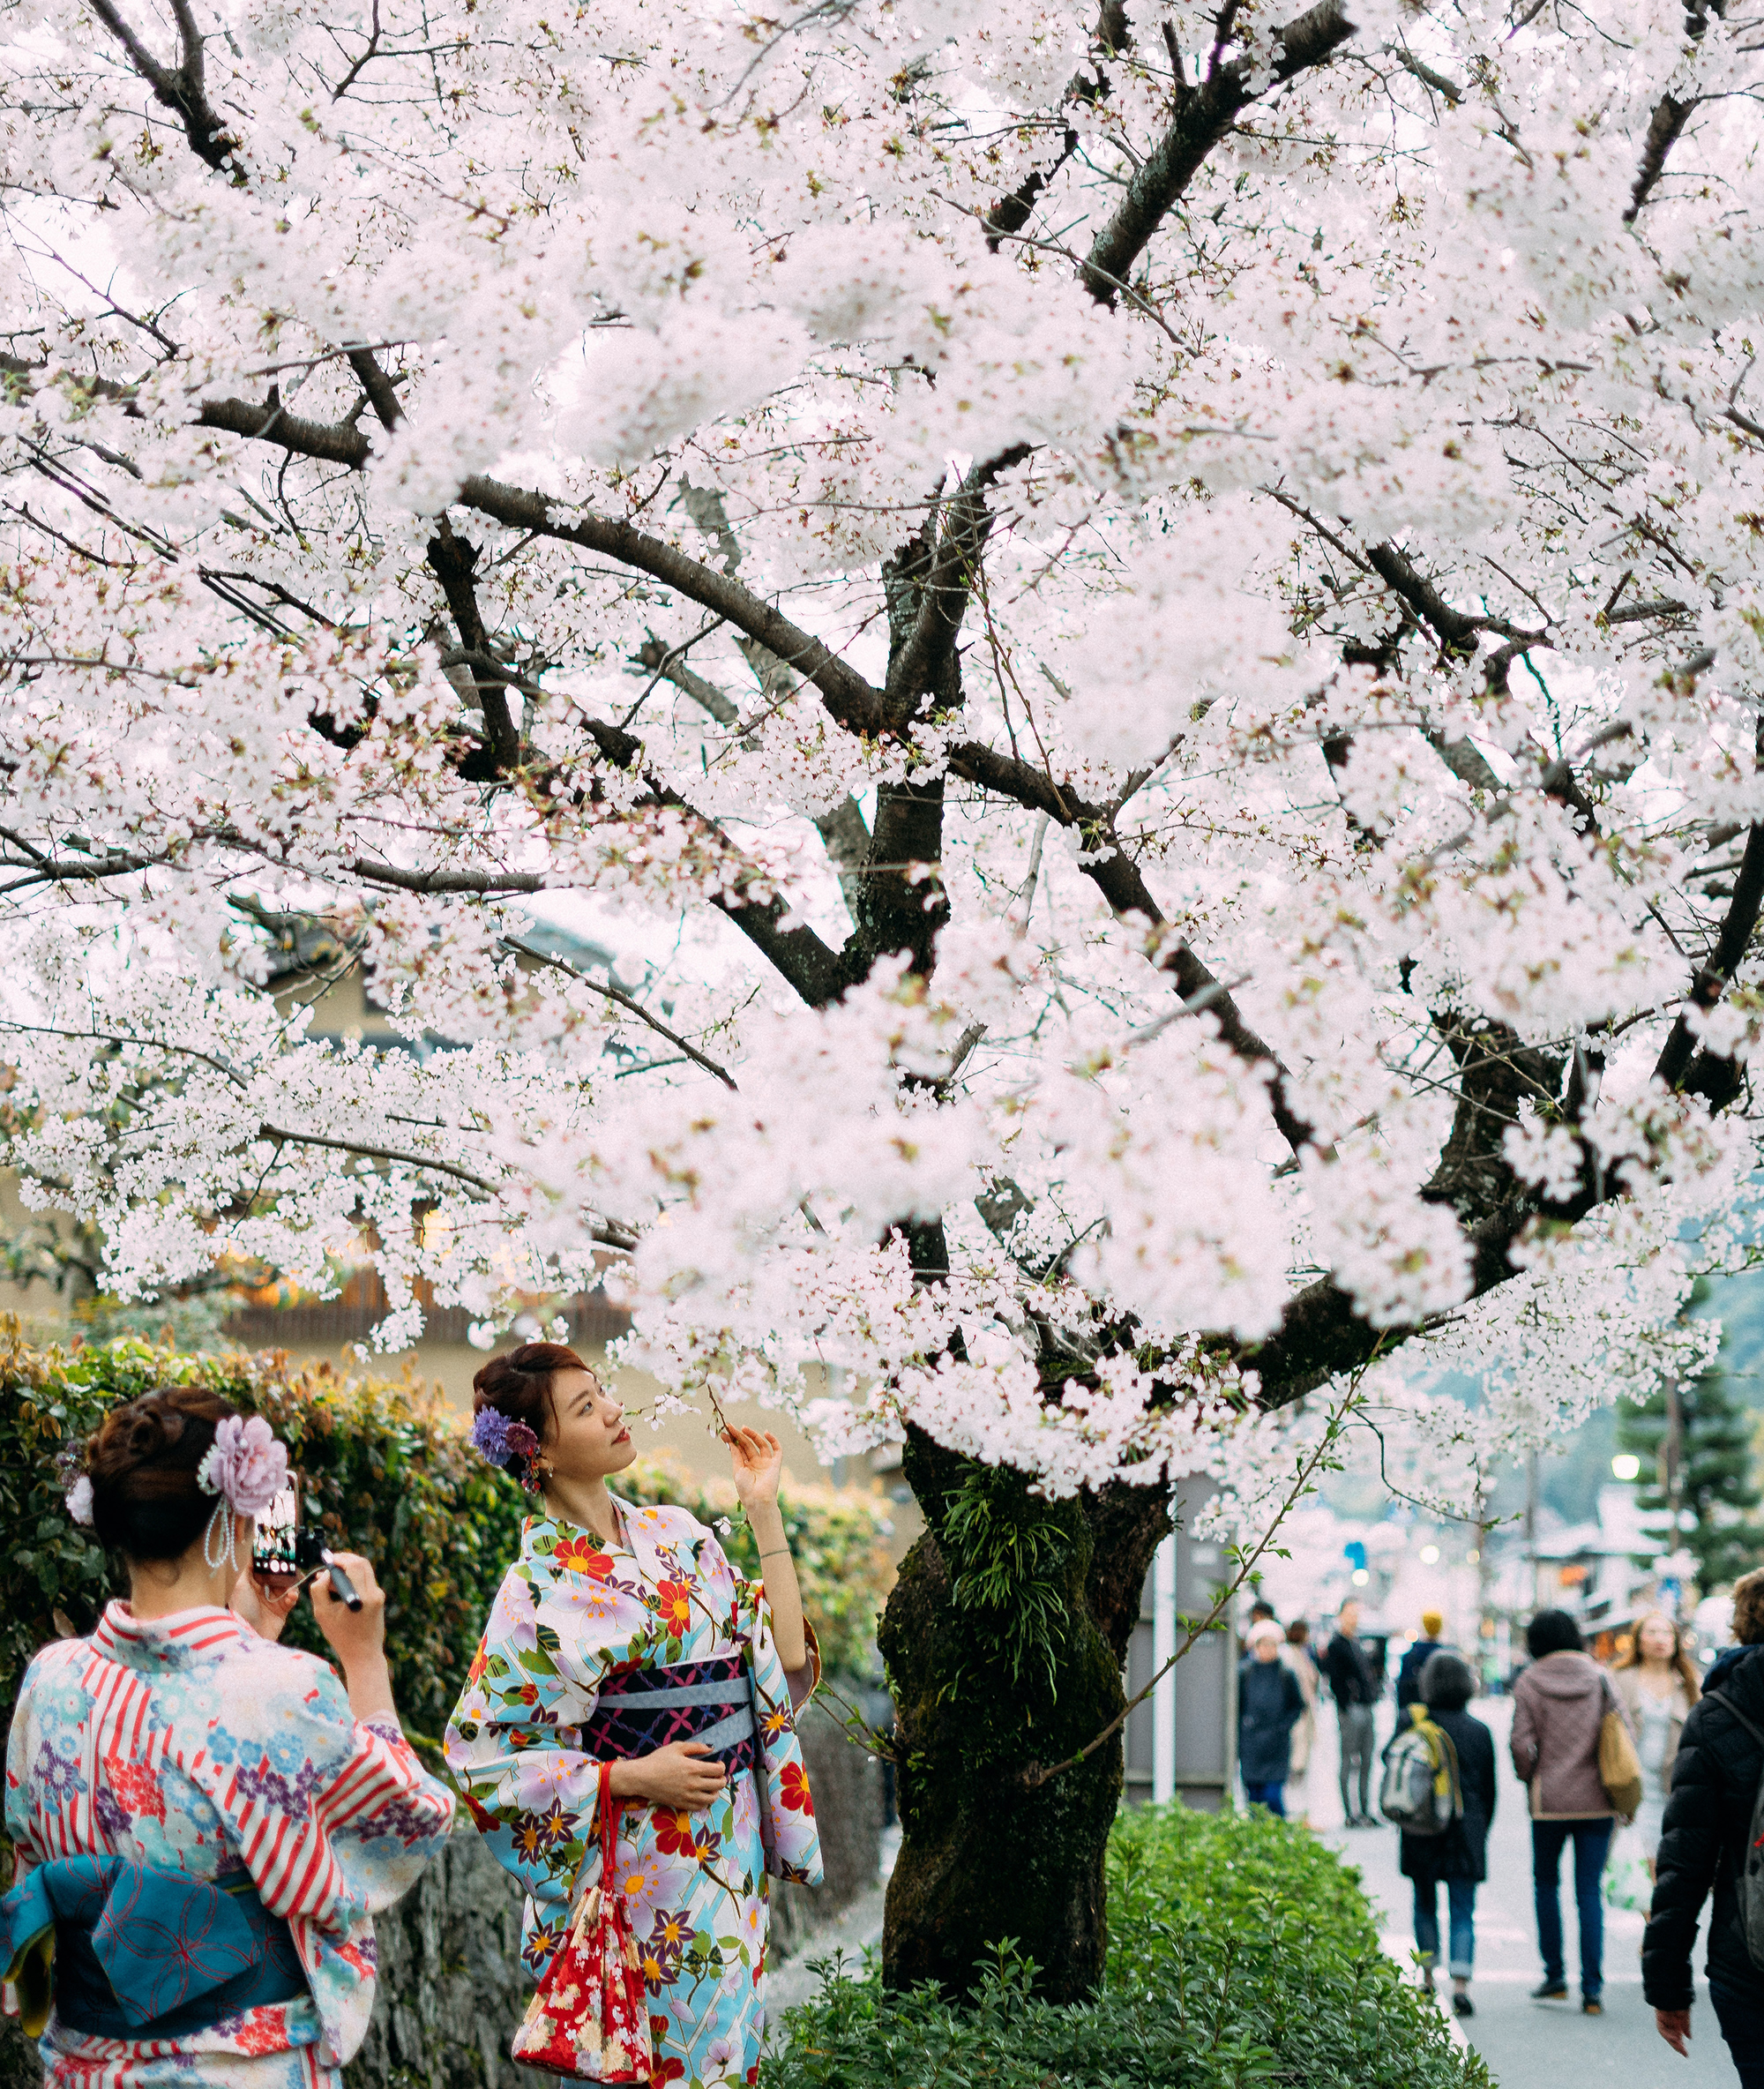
1160, 607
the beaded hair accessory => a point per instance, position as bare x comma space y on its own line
510, 1445
248, 1469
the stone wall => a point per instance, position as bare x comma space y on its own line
452, 1987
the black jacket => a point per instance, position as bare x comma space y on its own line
1349, 1672
1408, 1675
1462, 1852
1703, 1843
1270, 1704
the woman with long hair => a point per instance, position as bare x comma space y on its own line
204, 1821
622, 1639
1657, 1682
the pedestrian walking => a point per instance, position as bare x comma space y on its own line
1408, 1670
1457, 1859
1704, 1846
1355, 1690
1657, 1682
1297, 1656
204, 1822
1270, 1704
1558, 1707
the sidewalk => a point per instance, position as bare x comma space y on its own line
1527, 2045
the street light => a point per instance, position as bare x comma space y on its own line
1362, 1575
1625, 1465
1429, 1555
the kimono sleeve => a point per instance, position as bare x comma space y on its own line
334, 1818
531, 1796
787, 1810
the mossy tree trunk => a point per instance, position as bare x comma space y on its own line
1005, 1637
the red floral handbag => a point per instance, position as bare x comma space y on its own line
590, 2016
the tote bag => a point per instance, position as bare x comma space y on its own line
590, 2016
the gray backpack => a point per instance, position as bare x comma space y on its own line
1420, 1790
1749, 1886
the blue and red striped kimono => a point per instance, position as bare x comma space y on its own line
186, 1745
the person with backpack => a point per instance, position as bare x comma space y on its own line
1709, 1844
1559, 1705
1439, 1789
1270, 1704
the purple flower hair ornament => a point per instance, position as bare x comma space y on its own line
510, 1445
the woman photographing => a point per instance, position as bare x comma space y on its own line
622, 1638
205, 1820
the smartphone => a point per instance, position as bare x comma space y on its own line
284, 1551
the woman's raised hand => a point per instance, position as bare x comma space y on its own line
264, 1608
758, 1460
685, 1774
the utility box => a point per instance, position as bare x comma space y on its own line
1182, 1742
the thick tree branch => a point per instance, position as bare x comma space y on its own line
454, 561
1204, 115
180, 88
921, 663
1663, 132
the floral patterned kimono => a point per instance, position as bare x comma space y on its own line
574, 1622
188, 1744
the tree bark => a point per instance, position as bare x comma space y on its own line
982, 1704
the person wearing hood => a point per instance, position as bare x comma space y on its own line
1703, 1849
1559, 1706
1270, 1704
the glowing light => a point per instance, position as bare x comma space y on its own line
1362, 1575
1473, 1556
1429, 1555
1626, 1465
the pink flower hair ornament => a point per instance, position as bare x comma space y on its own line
248, 1469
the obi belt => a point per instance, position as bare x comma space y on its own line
129, 1950
642, 1710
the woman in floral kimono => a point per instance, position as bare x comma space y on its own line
205, 1822
623, 1635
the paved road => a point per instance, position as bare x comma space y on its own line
1528, 2045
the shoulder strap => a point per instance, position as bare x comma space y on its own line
1721, 1698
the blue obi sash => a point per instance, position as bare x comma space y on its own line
129, 1951
641, 1710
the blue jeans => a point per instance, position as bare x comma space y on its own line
1741, 2018
1460, 1900
1271, 1796
1591, 1840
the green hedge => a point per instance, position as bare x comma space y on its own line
388, 1473
1242, 1951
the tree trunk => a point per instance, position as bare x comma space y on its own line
1004, 1639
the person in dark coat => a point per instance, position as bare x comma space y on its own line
1703, 1847
1355, 1689
1270, 1704
1459, 1858
1408, 1673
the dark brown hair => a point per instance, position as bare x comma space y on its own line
142, 1462
518, 1385
1748, 1608
1631, 1655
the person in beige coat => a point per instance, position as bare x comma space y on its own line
1297, 1656
1558, 1705
1656, 1682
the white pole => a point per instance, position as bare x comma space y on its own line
1163, 1697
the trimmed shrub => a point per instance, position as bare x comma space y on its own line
388, 1473
1241, 1952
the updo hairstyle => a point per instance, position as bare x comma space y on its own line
518, 1385
142, 1462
